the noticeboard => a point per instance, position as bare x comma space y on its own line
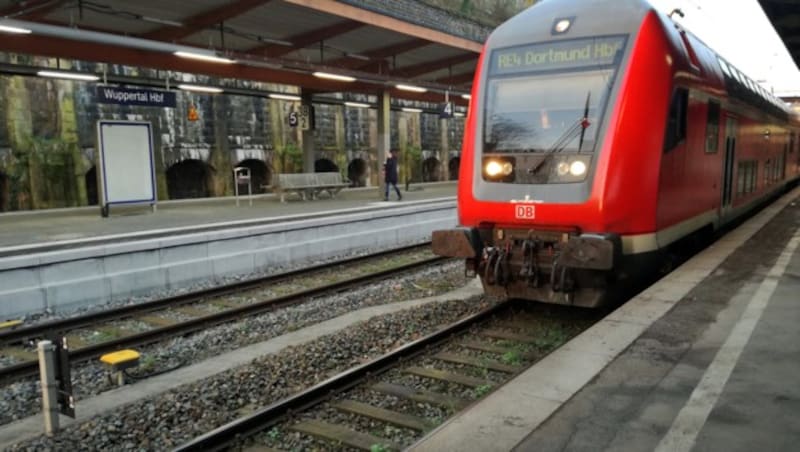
127, 171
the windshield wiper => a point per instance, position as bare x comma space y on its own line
579, 127
585, 120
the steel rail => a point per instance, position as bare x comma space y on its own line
45, 329
31, 368
228, 434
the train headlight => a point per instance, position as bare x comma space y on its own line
566, 168
499, 168
577, 168
493, 168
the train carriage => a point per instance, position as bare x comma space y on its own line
599, 134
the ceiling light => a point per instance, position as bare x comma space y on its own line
285, 97
156, 20
357, 104
15, 30
265, 65
204, 57
68, 75
201, 89
337, 77
411, 110
458, 114
466, 96
416, 89
279, 42
357, 56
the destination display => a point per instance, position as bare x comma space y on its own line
134, 96
558, 55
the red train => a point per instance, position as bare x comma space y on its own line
599, 134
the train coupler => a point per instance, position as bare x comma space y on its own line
495, 266
530, 262
561, 278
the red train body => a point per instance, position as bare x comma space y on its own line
599, 134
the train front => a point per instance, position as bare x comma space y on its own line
533, 177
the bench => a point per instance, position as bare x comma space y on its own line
309, 185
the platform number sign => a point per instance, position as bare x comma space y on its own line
294, 119
525, 211
306, 117
446, 110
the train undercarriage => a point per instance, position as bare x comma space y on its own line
562, 267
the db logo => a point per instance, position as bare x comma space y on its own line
525, 211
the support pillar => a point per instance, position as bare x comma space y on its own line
308, 139
384, 138
444, 149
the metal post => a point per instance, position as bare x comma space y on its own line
250, 190
236, 185
47, 377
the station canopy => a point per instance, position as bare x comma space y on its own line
274, 41
785, 18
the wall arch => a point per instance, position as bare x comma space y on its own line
431, 170
260, 175
4, 201
453, 166
92, 195
325, 166
188, 179
357, 173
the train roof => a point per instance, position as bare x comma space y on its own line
591, 18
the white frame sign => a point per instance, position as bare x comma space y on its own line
126, 166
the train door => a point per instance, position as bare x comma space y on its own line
728, 166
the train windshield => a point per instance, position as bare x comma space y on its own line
547, 113
549, 97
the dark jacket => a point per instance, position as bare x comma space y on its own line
391, 169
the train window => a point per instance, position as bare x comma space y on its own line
712, 127
690, 50
676, 121
746, 177
724, 66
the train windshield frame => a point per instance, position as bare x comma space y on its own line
549, 97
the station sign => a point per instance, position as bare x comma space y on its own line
135, 96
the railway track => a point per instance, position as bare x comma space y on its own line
155, 321
392, 401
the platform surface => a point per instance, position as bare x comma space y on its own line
707, 359
19, 229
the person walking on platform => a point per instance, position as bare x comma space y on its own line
390, 173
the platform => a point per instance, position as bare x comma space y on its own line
706, 359
59, 261
58, 228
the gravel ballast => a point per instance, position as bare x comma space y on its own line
181, 414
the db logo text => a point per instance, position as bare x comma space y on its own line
525, 211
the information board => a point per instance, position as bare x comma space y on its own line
127, 171
571, 54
